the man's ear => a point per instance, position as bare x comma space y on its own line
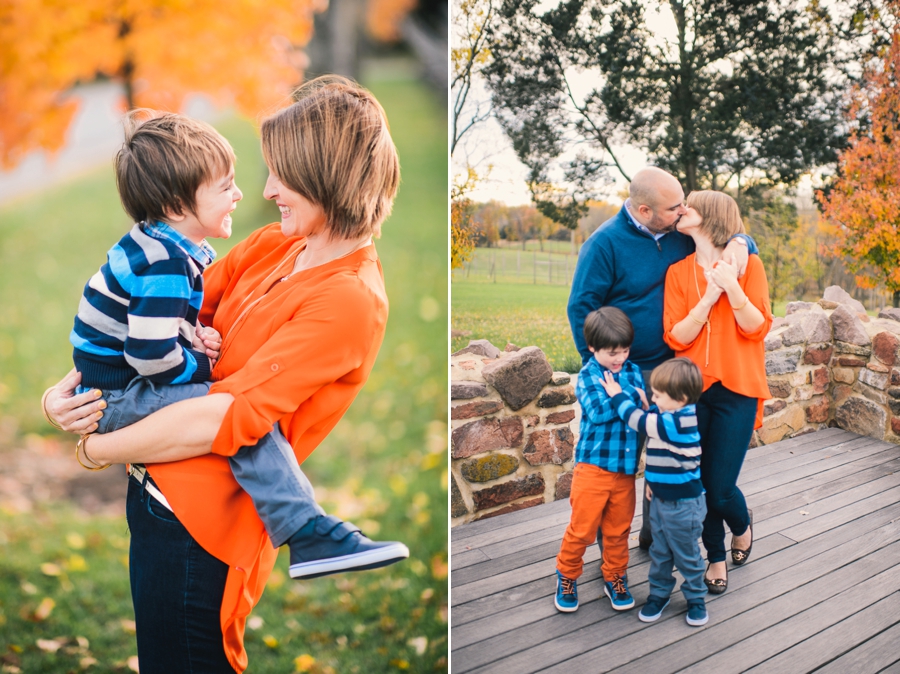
645, 211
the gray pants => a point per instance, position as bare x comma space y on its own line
676, 527
268, 471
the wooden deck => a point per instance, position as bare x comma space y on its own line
821, 591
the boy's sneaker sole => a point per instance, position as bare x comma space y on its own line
357, 561
619, 607
564, 609
697, 623
651, 618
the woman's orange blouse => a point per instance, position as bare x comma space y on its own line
737, 358
295, 351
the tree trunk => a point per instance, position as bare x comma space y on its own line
895, 300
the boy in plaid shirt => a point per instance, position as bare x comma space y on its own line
605, 463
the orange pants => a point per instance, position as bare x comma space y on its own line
599, 499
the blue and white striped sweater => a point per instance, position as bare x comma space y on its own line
138, 313
673, 447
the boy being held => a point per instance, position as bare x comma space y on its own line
672, 474
605, 463
137, 338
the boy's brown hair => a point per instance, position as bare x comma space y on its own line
720, 213
163, 162
333, 147
679, 378
608, 328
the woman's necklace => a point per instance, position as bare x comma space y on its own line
699, 297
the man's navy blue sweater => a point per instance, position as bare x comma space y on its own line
621, 266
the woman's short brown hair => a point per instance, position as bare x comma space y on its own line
679, 378
333, 147
163, 162
720, 213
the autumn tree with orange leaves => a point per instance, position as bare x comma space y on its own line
864, 204
238, 52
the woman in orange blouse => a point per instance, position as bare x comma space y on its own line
302, 311
720, 321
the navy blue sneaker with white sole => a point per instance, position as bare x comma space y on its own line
566, 599
652, 610
618, 593
696, 614
327, 544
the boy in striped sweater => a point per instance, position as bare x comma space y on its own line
137, 340
672, 474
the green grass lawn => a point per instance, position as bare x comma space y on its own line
384, 467
526, 315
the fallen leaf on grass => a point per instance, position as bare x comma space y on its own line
255, 622
132, 663
128, 626
83, 642
270, 641
42, 612
418, 644
76, 563
427, 594
400, 664
304, 663
438, 567
28, 588
87, 661
50, 569
50, 645
75, 540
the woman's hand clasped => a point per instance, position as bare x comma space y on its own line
74, 413
725, 275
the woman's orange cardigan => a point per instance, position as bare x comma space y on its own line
737, 358
294, 351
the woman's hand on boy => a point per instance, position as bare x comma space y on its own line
73, 413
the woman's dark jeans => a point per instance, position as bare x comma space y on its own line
177, 590
725, 420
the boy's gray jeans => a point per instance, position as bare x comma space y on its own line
268, 471
676, 528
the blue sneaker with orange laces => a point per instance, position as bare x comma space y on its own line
617, 591
566, 599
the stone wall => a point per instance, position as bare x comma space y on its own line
514, 422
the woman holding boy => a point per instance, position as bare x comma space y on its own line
720, 321
302, 310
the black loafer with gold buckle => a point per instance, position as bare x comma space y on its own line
739, 556
716, 585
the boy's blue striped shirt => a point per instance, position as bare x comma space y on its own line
673, 447
138, 313
606, 441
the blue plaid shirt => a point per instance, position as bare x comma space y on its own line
606, 441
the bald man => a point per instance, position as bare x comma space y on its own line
624, 264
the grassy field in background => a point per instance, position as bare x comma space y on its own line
384, 467
526, 315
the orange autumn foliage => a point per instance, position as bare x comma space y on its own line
383, 17
864, 205
239, 52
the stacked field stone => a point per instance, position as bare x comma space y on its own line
514, 422
513, 428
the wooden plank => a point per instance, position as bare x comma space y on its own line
821, 507
891, 669
779, 467
825, 476
780, 451
463, 559
739, 615
867, 534
763, 651
750, 487
541, 622
463, 531
860, 623
816, 526
870, 657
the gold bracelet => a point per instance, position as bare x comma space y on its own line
691, 314
44, 409
744, 304
81, 446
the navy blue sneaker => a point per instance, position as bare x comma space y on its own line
566, 599
617, 591
697, 614
327, 544
651, 611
